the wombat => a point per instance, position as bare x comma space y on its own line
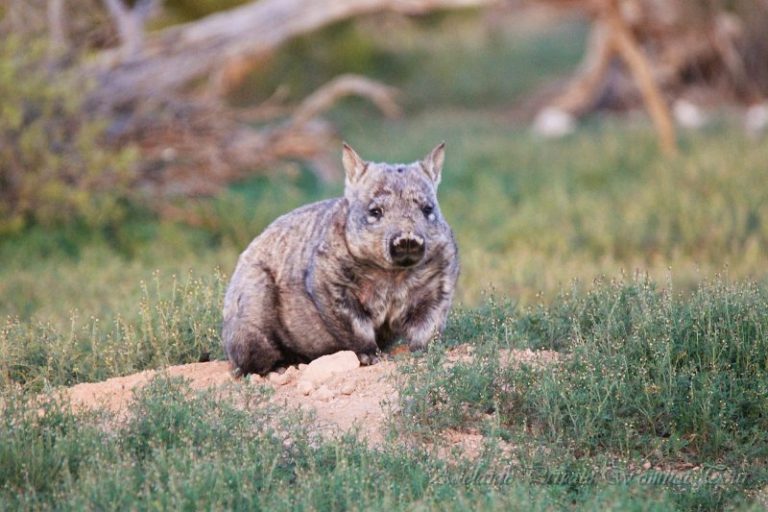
352, 273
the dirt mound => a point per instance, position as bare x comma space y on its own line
342, 394
117, 393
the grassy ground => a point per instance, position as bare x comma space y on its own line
657, 403
218, 457
530, 216
664, 360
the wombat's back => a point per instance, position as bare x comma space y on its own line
287, 244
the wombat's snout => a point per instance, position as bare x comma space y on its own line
406, 249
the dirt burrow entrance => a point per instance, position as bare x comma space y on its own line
340, 393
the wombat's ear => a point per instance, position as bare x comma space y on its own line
433, 163
354, 166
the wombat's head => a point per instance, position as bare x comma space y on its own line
394, 220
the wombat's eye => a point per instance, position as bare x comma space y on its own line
427, 210
375, 212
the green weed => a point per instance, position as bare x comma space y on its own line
195, 451
644, 374
175, 321
668, 370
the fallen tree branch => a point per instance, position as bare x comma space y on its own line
711, 54
324, 98
57, 28
173, 57
204, 146
193, 144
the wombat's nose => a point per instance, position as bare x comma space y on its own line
406, 249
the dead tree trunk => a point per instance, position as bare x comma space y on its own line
705, 52
193, 145
174, 57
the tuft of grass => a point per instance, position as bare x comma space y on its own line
42, 444
653, 374
56, 166
196, 451
175, 321
645, 375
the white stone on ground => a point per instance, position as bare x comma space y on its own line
553, 123
348, 388
323, 394
323, 368
756, 119
305, 387
278, 379
688, 114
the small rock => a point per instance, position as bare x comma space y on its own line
254, 378
647, 466
305, 387
291, 373
348, 388
688, 114
168, 154
323, 368
323, 394
553, 123
278, 379
756, 119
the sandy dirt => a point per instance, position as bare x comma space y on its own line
341, 394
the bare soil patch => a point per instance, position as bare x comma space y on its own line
341, 394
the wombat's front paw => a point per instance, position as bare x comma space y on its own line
368, 359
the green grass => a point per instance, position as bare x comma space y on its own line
529, 216
669, 368
645, 375
174, 321
193, 451
642, 372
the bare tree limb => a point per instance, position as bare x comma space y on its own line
638, 64
196, 144
59, 42
713, 52
177, 55
130, 24
347, 85
612, 36
580, 93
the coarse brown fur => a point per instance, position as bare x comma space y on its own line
352, 273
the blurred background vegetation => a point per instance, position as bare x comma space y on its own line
81, 227
120, 222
